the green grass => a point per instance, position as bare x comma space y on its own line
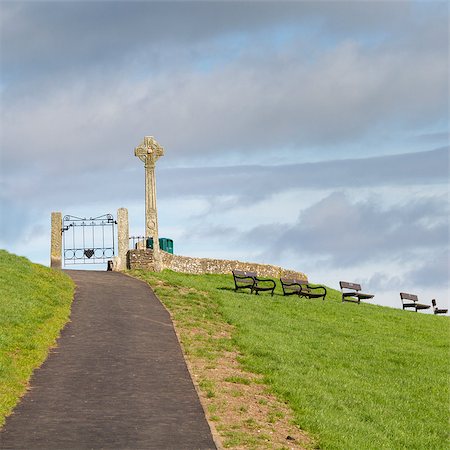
238, 380
356, 376
34, 305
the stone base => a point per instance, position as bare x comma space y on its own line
55, 262
141, 259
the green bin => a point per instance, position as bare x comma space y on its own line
165, 244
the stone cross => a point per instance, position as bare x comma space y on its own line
149, 151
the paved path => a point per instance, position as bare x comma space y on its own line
117, 379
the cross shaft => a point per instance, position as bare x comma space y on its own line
149, 151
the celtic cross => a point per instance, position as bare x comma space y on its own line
149, 151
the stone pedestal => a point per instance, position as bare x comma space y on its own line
141, 259
123, 235
56, 241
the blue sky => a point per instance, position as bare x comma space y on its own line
312, 135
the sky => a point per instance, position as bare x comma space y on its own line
310, 135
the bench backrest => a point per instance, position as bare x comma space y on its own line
347, 285
242, 274
405, 296
292, 281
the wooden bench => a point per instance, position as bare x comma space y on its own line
351, 292
411, 301
244, 280
301, 288
250, 280
436, 309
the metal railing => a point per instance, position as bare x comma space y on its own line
138, 242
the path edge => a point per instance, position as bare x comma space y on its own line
214, 433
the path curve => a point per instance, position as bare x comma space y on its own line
116, 380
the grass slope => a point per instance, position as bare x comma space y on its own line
356, 376
34, 305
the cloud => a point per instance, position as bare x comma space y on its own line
15, 218
70, 36
433, 138
249, 105
206, 91
224, 188
433, 270
427, 271
256, 183
347, 233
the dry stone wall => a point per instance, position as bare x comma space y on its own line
139, 259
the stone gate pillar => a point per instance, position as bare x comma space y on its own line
123, 235
56, 241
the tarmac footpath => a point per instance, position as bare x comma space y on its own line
116, 380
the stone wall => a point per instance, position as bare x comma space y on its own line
140, 259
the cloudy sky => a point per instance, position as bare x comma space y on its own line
312, 135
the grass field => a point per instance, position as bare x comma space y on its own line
355, 376
34, 305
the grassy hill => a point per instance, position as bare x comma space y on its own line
34, 306
355, 376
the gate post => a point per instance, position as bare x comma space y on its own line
123, 235
56, 241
